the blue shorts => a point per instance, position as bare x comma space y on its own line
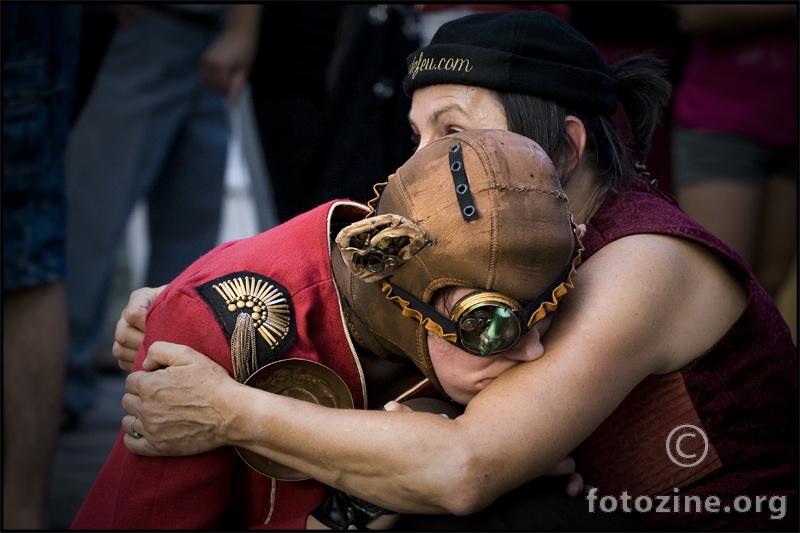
702, 155
40, 52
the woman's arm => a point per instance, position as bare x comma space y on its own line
642, 305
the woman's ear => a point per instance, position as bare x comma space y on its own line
577, 131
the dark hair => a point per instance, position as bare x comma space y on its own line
642, 89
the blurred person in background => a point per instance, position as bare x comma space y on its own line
735, 136
155, 125
327, 97
40, 56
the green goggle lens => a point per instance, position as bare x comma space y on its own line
486, 326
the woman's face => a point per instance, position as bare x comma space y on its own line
462, 374
439, 110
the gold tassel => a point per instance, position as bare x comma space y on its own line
243, 348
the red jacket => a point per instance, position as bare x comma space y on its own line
217, 490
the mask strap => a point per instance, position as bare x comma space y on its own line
427, 314
463, 194
447, 329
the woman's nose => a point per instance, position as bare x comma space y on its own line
423, 142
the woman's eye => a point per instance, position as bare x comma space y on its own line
415, 140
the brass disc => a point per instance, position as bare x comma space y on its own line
300, 379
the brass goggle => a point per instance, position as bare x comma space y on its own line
487, 322
484, 323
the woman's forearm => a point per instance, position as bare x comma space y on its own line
406, 462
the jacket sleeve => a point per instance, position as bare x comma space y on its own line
135, 492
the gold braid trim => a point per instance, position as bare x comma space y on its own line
427, 323
243, 348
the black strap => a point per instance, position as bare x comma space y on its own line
427, 311
463, 194
448, 326
344, 512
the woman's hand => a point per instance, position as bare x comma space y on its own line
182, 406
129, 332
225, 65
566, 467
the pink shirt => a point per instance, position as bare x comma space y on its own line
747, 89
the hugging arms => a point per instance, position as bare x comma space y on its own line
665, 326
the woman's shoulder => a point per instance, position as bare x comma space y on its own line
680, 293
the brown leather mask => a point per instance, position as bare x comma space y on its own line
482, 209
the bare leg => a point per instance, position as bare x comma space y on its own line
728, 210
34, 361
762, 226
777, 239
776, 266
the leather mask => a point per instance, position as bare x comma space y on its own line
481, 209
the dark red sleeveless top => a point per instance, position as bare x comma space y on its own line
741, 394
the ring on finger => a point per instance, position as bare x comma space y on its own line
135, 434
